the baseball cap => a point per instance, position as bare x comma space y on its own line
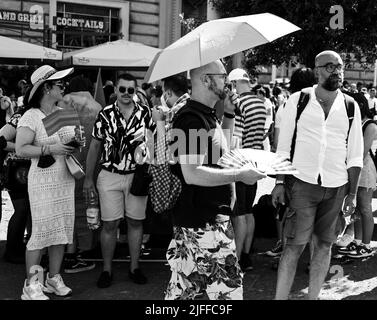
238, 74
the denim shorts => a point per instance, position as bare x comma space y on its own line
313, 209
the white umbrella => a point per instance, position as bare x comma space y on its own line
216, 39
11, 48
119, 53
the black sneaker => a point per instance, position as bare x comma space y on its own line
245, 262
275, 251
137, 276
77, 265
275, 263
145, 251
361, 252
104, 280
348, 249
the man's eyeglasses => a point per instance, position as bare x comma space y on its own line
130, 90
330, 67
223, 75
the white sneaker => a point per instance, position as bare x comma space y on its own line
34, 291
56, 285
345, 240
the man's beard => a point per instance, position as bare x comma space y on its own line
332, 83
220, 93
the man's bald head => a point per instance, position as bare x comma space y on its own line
213, 67
326, 56
208, 82
329, 70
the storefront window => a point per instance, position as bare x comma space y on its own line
79, 26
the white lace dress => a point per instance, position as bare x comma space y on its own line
51, 190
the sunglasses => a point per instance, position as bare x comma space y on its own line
130, 90
59, 84
222, 75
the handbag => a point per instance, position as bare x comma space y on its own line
15, 174
45, 161
141, 180
74, 167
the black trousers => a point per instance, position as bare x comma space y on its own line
20, 220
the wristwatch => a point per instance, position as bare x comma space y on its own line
229, 115
279, 182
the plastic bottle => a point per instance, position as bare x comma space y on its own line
92, 212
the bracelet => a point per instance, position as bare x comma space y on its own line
352, 194
279, 183
42, 150
229, 115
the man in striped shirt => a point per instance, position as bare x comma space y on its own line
248, 133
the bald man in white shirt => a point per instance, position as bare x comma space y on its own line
329, 156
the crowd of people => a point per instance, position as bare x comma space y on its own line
320, 124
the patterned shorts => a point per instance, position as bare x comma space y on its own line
204, 259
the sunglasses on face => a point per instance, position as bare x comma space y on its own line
222, 75
130, 90
60, 85
330, 67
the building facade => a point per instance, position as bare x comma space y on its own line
71, 24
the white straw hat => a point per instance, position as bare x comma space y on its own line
46, 73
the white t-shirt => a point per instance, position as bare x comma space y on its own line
269, 110
372, 103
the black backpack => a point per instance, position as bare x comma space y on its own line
302, 103
372, 155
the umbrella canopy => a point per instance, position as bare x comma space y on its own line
119, 53
11, 48
216, 39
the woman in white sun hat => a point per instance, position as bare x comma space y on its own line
50, 184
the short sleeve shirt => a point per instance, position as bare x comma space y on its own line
198, 205
122, 140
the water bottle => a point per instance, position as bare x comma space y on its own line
92, 212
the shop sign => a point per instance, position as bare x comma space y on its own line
79, 23
35, 20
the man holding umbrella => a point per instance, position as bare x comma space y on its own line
202, 255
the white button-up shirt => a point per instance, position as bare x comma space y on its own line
321, 146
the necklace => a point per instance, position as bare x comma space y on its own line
321, 100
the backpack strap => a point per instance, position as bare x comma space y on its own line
302, 102
188, 110
350, 108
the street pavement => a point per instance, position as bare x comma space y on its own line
355, 280
352, 281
